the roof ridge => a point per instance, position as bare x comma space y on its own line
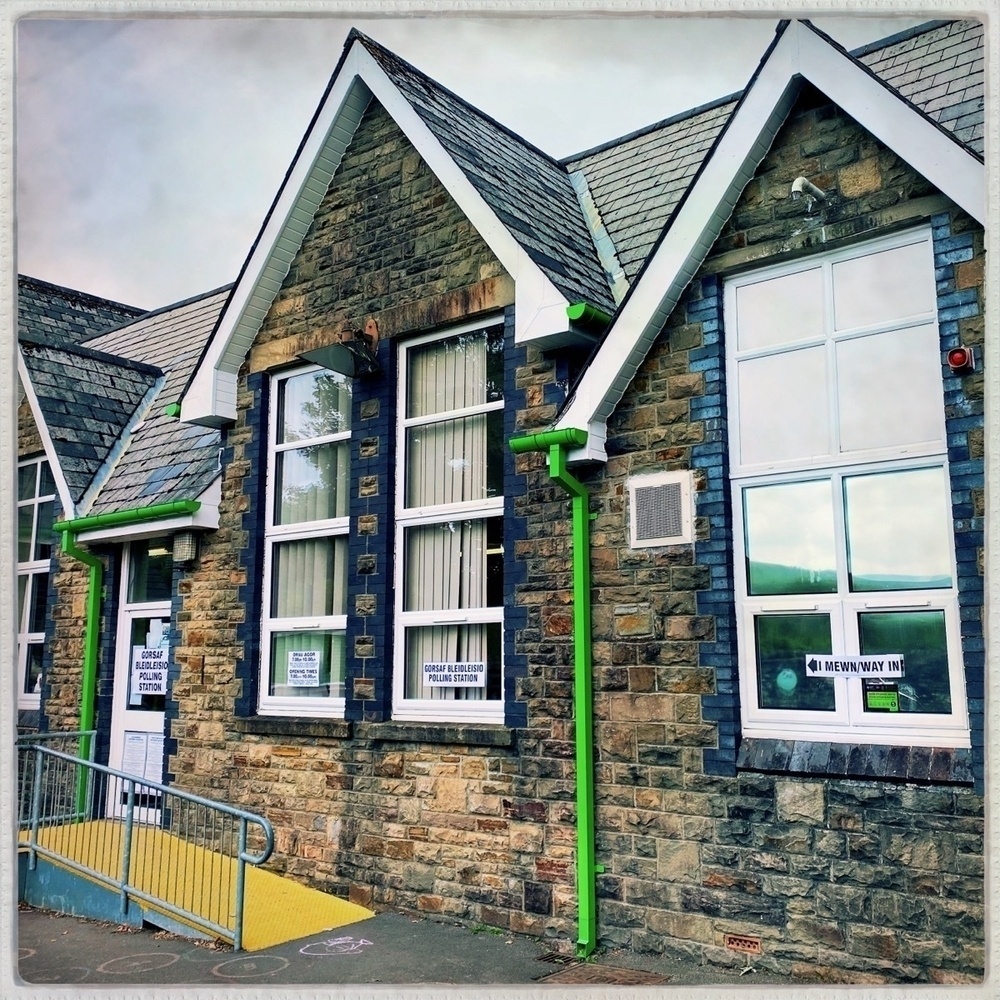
159, 312
141, 367
76, 293
369, 42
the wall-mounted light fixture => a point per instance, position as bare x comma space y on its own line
185, 548
352, 356
961, 360
804, 188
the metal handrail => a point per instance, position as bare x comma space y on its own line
135, 791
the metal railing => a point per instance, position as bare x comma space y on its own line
80, 744
178, 853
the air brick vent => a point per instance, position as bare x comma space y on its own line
660, 509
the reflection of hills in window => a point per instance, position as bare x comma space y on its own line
774, 578
875, 581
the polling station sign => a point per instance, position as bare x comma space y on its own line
455, 674
149, 670
878, 665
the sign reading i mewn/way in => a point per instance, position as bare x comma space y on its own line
879, 665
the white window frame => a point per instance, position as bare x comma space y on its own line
31, 569
419, 709
267, 704
848, 722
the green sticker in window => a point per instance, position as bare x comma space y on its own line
882, 701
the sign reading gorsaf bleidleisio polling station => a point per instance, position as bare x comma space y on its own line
303, 668
878, 665
149, 670
455, 674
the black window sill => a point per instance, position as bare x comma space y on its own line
456, 733
927, 765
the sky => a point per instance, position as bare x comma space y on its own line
148, 150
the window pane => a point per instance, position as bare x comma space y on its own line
780, 310
47, 485
27, 477
309, 577
22, 590
453, 644
790, 539
454, 564
920, 637
33, 669
313, 404
25, 524
455, 460
307, 664
883, 286
150, 572
43, 532
898, 530
312, 483
783, 641
452, 374
890, 389
798, 428
37, 616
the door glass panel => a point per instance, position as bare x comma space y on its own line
151, 570
898, 530
782, 643
890, 389
884, 286
790, 539
920, 636
798, 428
150, 654
780, 310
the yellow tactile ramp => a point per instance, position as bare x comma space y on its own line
275, 910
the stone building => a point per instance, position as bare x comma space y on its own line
595, 548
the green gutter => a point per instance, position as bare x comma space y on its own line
587, 316
555, 443
92, 627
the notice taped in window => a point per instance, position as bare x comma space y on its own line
303, 668
455, 674
149, 670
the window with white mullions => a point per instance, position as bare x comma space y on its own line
305, 561
449, 541
843, 523
36, 495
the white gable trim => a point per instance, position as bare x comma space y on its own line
800, 53
540, 309
62, 487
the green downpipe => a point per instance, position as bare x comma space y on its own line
92, 625
555, 444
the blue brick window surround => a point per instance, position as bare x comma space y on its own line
963, 416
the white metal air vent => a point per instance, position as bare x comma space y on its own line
660, 509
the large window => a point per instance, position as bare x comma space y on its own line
305, 565
35, 504
843, 525
449, 524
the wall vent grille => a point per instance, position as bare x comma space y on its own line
660, 509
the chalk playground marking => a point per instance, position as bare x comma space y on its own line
336, 946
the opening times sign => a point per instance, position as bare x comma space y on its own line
887, 665
455, 674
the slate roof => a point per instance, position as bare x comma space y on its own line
165, 459
529, 191
59, 315
638, 180
87, 400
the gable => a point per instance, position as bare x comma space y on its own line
798, 56
388, 242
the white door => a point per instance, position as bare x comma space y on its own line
140, 681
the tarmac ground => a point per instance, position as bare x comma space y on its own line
387, 949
